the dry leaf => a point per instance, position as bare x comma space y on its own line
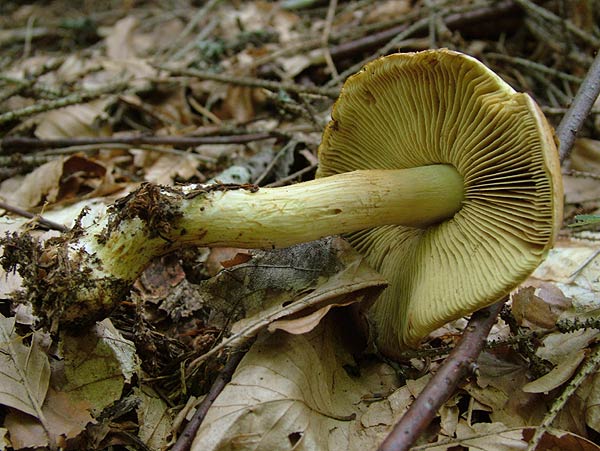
306, 323
75, 121
24, 371
33, 189
292, 392
287, 284
97, 364
65, 419
120, 39
567, 266
561, 373
557, 346
382, 11
539, 308
154, 419
169, 167
58, 180
4, 441
585, 155
554, 439
592, 409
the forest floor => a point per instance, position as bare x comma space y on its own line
98, 98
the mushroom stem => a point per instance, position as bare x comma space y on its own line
279, 217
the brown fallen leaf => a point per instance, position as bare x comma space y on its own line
561, 373
24, 371
65, 419
292, 392
80, 120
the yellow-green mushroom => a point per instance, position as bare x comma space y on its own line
432, 166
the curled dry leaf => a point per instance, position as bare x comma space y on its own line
59, 180
558, 376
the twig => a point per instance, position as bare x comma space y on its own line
253, 82
325, 38
534, 66
184, 442
544, 14
573, 120
589, 367
453, 18
200, 15
62, 102
442, 385
291, 177
19, 144
581, 174
39, 219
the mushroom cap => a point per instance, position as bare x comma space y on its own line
444, 107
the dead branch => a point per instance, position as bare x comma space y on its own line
452, 18
37, 218
588, 368
71, 99
252, 82
184, 442
19, 144
460, 363
573, 120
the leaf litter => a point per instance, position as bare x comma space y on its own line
307, 383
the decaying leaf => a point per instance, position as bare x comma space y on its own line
97, 364
288, 284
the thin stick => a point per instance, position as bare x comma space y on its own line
39, 219
573, 120
18, 144
71, 99
253, 82
460, 363
184, 442
325, 38
547, 15
589, 367
453, 18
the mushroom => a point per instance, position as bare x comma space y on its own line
442, 107
434, 168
